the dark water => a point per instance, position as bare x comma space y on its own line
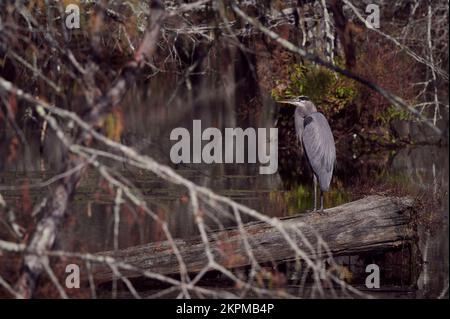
147, 126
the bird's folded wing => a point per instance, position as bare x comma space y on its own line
319, 146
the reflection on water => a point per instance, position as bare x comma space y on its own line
147, 128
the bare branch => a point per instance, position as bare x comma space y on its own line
394, 99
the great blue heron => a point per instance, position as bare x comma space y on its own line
314, 132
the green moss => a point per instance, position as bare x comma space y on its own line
393, 113
330, 91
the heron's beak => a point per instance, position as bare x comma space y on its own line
286, 102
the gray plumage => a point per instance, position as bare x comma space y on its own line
318, 143
314, 133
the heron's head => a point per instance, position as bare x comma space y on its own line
303, 105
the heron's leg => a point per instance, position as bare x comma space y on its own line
315, 193
321, 201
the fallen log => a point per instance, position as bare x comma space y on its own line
374, 223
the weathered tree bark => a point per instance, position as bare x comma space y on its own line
374, 223
47, 228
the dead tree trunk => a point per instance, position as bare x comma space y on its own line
47, 228
374, 223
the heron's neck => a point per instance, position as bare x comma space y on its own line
305, 110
